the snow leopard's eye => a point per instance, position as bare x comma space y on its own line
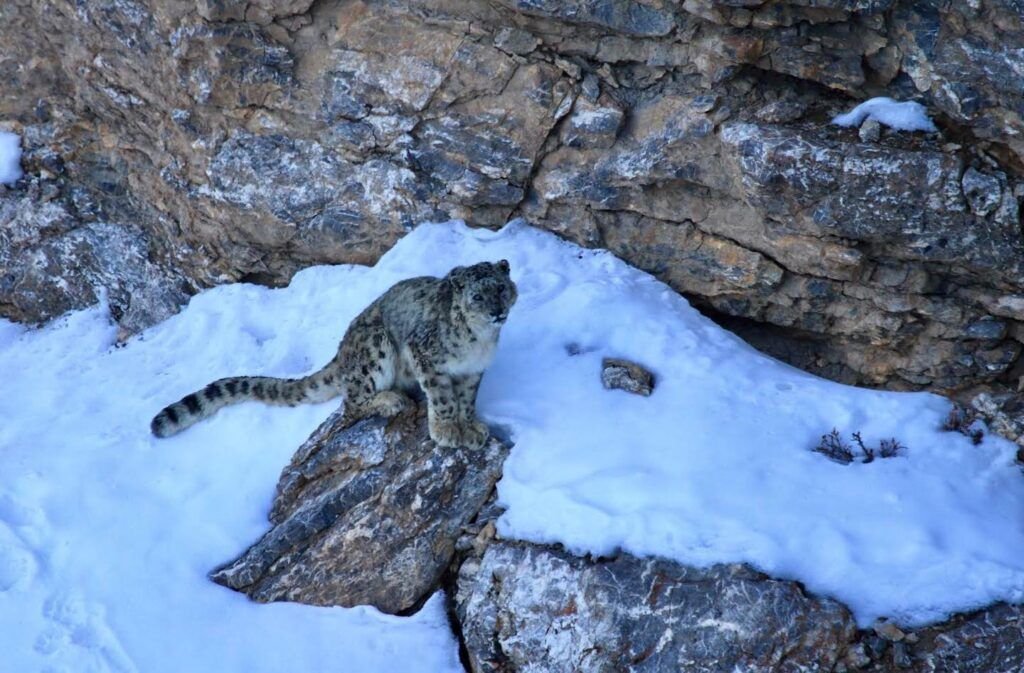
478, 297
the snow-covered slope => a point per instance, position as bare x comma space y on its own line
106, 533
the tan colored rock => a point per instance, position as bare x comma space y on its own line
235, 140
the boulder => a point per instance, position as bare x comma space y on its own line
366, 515
525, 607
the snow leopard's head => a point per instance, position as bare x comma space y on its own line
485, 291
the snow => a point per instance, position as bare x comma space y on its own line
106, 534
10, 158
905, 116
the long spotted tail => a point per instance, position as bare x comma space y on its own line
194, 407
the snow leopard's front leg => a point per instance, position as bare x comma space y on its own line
442, 405
442, 409
474, 432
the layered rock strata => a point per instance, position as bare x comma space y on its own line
228, 140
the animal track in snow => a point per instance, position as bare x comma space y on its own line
22, 527
78, 633
18, 565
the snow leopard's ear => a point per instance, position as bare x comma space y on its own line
457, 277
503, 266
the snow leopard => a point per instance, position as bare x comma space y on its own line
436, 335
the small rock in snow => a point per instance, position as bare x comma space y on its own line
1003, 413
626, 375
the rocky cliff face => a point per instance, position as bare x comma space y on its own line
175, 144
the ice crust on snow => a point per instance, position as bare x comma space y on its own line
905, 116
106, 529
10, 157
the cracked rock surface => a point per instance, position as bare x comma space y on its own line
224, 140
534, 608
366, 515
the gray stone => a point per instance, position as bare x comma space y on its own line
877, 646
986, 328
857, 657
870, 131
56, 256
782, 111
705, 103
590, 87
515, 41
253, 10
625, 16
620, 374
989, 641
900, 656
888, 630
532, 608
366, 515
967, 62
1002, 412
983, 191
591, 126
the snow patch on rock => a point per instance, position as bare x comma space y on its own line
905, 116
10, 157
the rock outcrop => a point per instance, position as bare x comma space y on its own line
532, 608
366, 515
60, 251
232, 140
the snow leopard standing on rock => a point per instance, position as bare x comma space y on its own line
435, 333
